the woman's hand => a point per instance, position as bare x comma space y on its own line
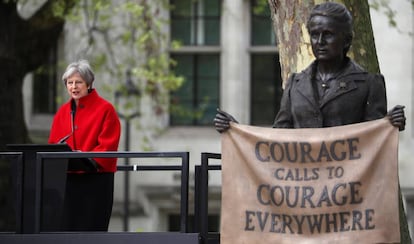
222, 121
397, 117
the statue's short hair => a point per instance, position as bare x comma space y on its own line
339, 13
83, 68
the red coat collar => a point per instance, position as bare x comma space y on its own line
88, 99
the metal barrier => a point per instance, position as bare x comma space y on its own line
32, 222
201, 198
30, 179
16, 166
184, 168
184, 181
102, 238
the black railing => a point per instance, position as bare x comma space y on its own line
201, 198
14, 189
184, 168
31, 175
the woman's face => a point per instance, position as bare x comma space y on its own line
327, 38
76, 86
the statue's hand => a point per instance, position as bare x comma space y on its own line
397, 117
222, 121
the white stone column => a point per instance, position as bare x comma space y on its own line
235, 60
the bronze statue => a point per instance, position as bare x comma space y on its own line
334, 90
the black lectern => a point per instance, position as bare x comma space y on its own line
49, 180
43, 186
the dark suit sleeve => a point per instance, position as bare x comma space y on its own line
376, 105
284, 116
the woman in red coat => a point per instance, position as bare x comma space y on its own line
87, 123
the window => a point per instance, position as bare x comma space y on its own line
196, 25
266, 84
265, 88
262, 29
196, 101
196, 22
44, 86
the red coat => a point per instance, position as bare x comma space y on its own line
96, 128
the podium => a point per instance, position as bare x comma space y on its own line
43, 186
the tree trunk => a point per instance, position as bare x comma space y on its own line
363, 46
24, 46
12, 127
289, 21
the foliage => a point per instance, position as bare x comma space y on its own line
260, 6
387, 10
127, 37
127, 45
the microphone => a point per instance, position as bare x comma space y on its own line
65, 138
72, 118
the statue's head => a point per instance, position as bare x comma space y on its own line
339, 16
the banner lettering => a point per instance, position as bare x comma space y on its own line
323, 185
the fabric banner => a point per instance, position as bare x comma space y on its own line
324, 185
